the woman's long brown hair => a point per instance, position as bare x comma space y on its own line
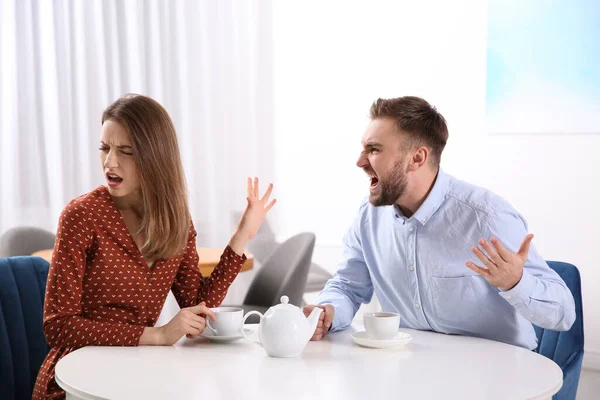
166, 217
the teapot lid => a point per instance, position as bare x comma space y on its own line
284, 305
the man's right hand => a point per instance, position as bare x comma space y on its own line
325, 319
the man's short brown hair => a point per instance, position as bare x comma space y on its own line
420, 121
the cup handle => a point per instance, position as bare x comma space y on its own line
244, 322
213, 330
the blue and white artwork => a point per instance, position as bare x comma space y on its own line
543, 67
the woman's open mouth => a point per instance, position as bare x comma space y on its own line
113, 180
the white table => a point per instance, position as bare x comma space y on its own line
432, 366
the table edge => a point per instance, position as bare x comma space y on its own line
73, 391
550, 392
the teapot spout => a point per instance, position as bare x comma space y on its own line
313, 321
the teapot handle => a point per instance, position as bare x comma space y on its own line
244, 321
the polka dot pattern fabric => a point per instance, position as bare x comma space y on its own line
101, 291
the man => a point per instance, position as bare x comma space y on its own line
446, 255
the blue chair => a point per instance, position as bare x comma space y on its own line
23, 346
565, 348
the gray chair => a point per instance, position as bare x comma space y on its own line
317, 278
24, 241
284, 272
264, 243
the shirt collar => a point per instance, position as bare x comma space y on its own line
435, 198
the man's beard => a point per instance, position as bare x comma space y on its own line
391, 189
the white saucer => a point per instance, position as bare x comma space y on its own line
361, 339
207, 334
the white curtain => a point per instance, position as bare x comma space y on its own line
62, 62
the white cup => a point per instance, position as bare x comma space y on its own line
228, 323
381, 325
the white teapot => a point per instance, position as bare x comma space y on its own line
284, 331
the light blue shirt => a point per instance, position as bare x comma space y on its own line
416, 266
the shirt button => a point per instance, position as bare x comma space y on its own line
410, 228
508, 296
417, 305
412, 267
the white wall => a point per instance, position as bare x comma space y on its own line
332, 59
589, 385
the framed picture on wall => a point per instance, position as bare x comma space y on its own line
543, 67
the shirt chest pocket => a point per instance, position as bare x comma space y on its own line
456, 303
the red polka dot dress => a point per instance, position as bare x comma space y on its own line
101, 292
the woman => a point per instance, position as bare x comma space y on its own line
120, 248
